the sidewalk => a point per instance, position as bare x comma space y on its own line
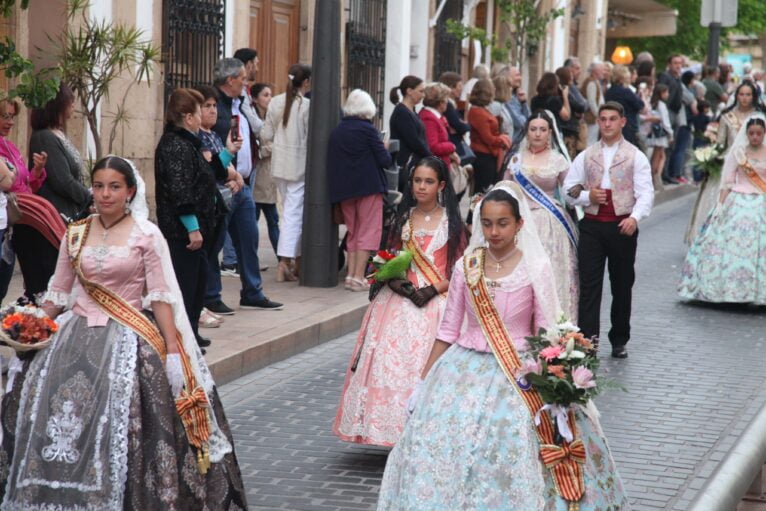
252, 339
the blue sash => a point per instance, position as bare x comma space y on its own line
540, 197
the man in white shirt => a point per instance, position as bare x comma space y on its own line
612, 181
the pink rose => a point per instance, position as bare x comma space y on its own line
529, 366
583, 378
551, 352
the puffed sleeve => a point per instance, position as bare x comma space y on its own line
729, 172
153, 246
561, 166
454, 311
60, 285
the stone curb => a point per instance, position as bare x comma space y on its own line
289, 340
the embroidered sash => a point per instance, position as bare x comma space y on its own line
540, 197
192, 405
421, 260
754, 177
563, 459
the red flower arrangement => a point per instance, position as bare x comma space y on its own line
27, 326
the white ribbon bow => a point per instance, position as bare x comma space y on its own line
560, 413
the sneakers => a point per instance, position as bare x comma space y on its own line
229, 270
209, 320
219, 308
264, 303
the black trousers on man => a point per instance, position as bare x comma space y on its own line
602, 244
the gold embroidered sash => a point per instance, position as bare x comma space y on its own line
754, 177
564, 460
192, 405
421, 261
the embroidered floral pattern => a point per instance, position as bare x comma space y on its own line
64, 429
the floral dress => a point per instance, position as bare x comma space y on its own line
471, 441
391, 350
91, 421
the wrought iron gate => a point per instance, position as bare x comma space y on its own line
447, 47
366, 44
193, 38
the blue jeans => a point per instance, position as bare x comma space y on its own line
243, 229
678, 154
272, 221
229, 254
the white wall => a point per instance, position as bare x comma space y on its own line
398, 20
419, 38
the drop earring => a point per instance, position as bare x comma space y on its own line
127, 207
516, 239
440, 197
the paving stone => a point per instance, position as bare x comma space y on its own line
695, 379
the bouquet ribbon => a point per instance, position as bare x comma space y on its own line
553, 454
561, 414
567, 471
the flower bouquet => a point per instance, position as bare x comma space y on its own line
709, 159
26, 328
562, 368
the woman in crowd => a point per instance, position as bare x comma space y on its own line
727, 259
487, 142
190, 209
356, 157
213, 145
570, 130
746, 103
457, 127
658, 131
406, 126
63, 186
539, 168
9, 174
631, 103
37, 235
499, 107
265, 189
399, 327
553, 97
435, 103
94, 422
471, 442
286, 129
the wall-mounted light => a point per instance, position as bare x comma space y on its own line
622, 55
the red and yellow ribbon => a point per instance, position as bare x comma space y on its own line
565, 460
421, 261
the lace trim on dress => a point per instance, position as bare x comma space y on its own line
57, 298
114, 416
156, 296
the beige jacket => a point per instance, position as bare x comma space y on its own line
288, 143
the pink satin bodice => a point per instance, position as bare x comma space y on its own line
515, 300
133, 271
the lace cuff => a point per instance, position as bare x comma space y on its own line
56, 298
157, 296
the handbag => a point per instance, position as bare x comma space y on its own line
226, 195
12, 210
459, 178
658, 131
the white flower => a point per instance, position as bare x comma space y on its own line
567, 326
378, 260
572, 355
553, 336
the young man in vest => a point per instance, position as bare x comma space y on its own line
612, 181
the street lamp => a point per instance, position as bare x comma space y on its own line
622, 55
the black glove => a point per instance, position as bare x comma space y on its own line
423, 295
401, 287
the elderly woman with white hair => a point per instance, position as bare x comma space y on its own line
356, 157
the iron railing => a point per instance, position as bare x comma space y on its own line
447, 48
366, 43
193, 39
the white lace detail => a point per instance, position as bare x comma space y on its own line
156, 296
122, 368
57, 298
219, 446
63, 428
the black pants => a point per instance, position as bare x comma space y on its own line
600, 243
484, 172
37, 258
191, 271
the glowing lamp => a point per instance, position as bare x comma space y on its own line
622, 55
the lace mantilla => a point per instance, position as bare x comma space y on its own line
157, 296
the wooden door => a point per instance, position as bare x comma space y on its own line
274, 34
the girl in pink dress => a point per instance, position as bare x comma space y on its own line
400, 325
471, 441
